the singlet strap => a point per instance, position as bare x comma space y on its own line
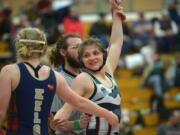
35, 69
109, 75
95, 80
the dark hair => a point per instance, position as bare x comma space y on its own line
56, 58
102, 14
92, 41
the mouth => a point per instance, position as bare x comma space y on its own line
95, 62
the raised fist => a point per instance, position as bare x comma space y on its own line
117, 7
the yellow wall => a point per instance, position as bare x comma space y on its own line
146, 5
17, 4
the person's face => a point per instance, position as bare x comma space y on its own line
72, 51
92, 58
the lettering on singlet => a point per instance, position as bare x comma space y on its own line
37, 108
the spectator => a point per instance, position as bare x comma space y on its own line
165, 32
61, 9
72, 23
173, 72
154, 77
100, 29
142, 29
44, 6
173, 12
127, 41
124, 126
172, 127
32, 14
5, 23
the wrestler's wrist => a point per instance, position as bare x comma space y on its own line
76, 124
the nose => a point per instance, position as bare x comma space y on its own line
91, 57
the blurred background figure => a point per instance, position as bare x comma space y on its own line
101, 29
154, 76
173, 72
165, 32
172, 126
142, 29
125, 128
173, 11
72, 23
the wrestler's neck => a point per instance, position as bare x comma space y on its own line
71, 69
33, 61
100, 73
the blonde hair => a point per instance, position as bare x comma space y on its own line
30, 41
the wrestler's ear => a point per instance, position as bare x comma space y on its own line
63, 52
